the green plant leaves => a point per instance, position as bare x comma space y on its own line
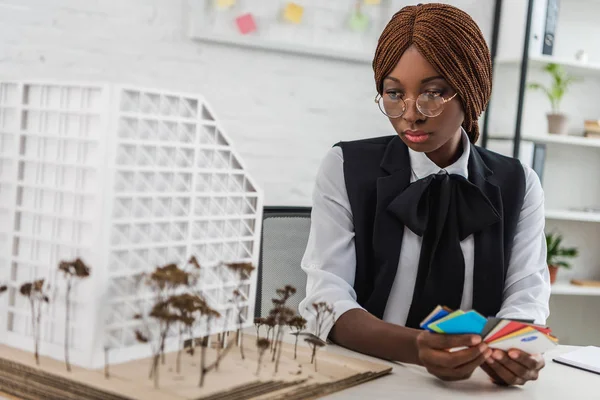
560, 83
556, 253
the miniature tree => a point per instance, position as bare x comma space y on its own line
324, 315
71, 270
164, 281
284, 314
242, 272
299, 324
185, 306
258, 322
193, 286
281, 313
106, 372
270, 322
262, 345
166, 316
314, 342
209, 314
198, 305
35, 292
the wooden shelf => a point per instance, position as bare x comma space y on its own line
565, 288
572, 66
568, 215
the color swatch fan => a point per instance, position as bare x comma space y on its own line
498, 333
128, 179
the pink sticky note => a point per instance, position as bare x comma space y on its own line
246, 23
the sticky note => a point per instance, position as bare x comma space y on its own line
225, 3
372, 2
293, 13
245, 23
358, 21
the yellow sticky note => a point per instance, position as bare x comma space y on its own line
225, 3
293, 13
372, 2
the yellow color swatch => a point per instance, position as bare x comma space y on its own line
518, 332
225, 3
372, 2
293, 13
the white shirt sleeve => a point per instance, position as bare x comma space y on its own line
330, 259
527, 285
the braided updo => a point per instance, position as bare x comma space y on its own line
453, 44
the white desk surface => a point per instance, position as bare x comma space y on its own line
406, 381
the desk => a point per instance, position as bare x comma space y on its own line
412, 382
556, 381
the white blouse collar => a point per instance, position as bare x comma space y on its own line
422, 166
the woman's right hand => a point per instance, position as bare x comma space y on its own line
434, 354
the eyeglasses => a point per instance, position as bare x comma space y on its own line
428, 104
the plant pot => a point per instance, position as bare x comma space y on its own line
553, 271
557, 123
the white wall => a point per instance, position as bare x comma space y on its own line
283, 112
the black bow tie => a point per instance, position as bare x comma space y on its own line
444, 210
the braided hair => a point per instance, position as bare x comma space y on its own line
452, 42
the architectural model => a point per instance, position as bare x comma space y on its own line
125, 180
131, 239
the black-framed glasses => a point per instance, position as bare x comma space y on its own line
428, 104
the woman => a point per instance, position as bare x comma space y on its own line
403, 223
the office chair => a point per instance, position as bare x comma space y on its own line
285, 233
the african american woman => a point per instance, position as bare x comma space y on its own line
403, 223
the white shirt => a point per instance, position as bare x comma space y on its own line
330, 258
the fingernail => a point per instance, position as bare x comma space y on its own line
497, 355
488, 353
483, 347
489, 360
476, 340
513, 354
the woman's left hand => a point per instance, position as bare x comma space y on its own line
513, 367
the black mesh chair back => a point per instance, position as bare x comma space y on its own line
285, 233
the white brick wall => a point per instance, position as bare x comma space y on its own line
282, 111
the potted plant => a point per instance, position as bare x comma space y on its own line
557, 121
557, 254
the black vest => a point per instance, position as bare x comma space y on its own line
377, 170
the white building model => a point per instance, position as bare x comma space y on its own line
128, 180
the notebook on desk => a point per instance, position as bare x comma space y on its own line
586, 358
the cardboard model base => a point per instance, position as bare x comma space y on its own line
235, 378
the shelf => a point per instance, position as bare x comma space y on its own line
568, 140
573, 67
565, 288
365, 57
568, 215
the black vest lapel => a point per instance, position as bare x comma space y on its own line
489, 268
387, 229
